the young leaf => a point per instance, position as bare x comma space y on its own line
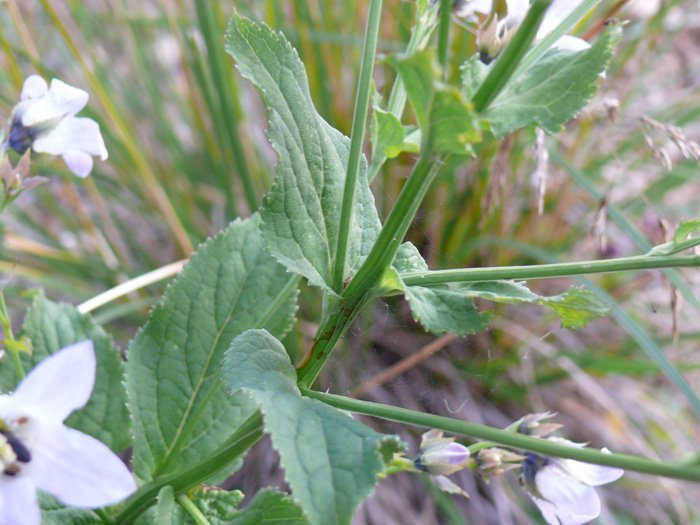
440, 109
173, 368
331, 461
551, 92
387, 134
680, 240
52, 326
301, 214
577, 307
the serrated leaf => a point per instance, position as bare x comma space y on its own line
441, 309
439, 108
173, 372
387, 134
52, 326
301, 214
552, 91
450, 308
331, 461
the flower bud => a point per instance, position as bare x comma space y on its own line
441, 456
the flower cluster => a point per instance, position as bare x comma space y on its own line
45, 121
38, 452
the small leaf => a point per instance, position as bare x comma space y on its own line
680, 240
301, 214
168, 512
330, 460
52, 326
551, 92
180, 413
577, 307
440, 109
409, 259
387, 134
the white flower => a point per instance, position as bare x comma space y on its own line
517, 9
45, 121
38, 452
563, 488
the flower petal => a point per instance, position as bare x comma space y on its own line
591, 474
571, 43
447, 485
19, 505
78, 469
73, 134
34, 87
61, 383
466, 9
78, 162
574, 503
60, 100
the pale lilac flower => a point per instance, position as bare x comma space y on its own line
563, 488
441, 457
38, 452
45, 121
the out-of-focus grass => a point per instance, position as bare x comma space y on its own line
188, 153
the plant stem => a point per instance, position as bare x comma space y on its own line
507, 62
241, 440
510, 439
9, 335
357, 138
544, 271
192, 509
444, 32
356, 294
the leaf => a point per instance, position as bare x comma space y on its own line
331, 461
53, 326
438, 108
680, 240
551, 92
387, 134
409, 259
54, 513
218, 505
168, 512
441, 309
173, 371
273, 507
301, 214
577, 307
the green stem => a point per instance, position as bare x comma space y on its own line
510, 439
674, 247
9, 335
379, 259
357, 138
241, 440
193, 510
544, 271
507, 62
444, 32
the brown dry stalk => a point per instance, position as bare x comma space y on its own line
403, 365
